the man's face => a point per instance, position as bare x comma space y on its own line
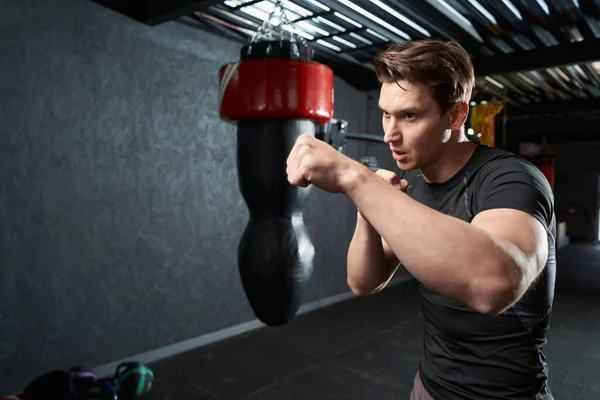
414, 128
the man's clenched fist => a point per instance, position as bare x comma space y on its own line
313, 161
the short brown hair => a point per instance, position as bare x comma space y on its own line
444, 66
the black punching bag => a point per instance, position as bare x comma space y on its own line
275, 93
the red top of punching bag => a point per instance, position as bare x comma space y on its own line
276, 89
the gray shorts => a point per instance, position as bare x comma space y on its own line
418, 391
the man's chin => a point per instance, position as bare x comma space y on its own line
404, 166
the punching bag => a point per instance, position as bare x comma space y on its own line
274, 94
544, 160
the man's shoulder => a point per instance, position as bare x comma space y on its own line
500, 166
493, 158
506, 180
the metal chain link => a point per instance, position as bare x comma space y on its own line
285, 29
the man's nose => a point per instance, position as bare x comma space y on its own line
391, 134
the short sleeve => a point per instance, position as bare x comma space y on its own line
516, 184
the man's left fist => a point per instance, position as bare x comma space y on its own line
313, 161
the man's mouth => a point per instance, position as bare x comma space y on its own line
398, 155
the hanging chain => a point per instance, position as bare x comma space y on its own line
277, 27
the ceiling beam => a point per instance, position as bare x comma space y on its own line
554, 108
152, 12
361, 19
361, 78
547, 57
570, 137
438, 23
554, 126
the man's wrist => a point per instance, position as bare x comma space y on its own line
363, 223
355, 176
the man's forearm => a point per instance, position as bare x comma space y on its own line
366, 264
454, 258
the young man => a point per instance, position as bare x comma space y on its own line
474, 225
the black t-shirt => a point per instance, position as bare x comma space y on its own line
467, 355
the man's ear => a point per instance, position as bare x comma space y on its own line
458, 115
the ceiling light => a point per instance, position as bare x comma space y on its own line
331, 46
501, 44
544, 36
401, 17
556, 77
319, 5
561, 73
544, 6
331, 24
580, 71
374, 18
482, 10
522, 41
362, 39
298, 32
378, 35
527, 79
296, 8
343, 41
495, 83
457, 18
236, 3
513, 9
575, 34
311, 28
256, 13
351, 21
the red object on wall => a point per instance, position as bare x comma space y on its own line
276, 89
545, 162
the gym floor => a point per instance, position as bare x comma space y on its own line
358, 350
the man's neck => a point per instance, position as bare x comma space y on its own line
452, 160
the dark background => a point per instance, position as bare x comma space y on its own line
119, 206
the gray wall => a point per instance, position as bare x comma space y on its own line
577, 187
119, 206
374, 114
577, 158
577, 204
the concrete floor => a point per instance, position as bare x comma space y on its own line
357, 350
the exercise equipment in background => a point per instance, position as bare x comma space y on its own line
481, 118
544, 160
542, 156
131, 381
335, 133
275, 93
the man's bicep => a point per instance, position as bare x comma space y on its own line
516, 205
521, 233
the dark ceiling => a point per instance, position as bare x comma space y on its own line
545, 54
